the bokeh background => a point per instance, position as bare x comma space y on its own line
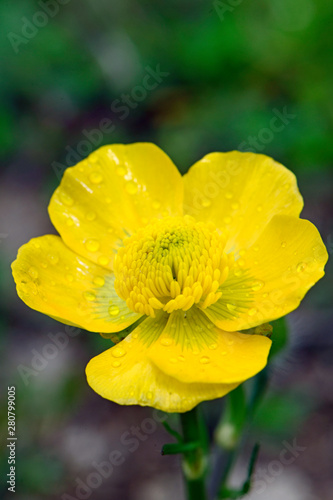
73, 77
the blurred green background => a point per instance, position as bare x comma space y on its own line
74, 75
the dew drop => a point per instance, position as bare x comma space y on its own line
116, 363
212, 346
252, 311
43, 264
259, 208
241, 262
228, 195
156, 205
173, 360
235, 206
204, 360
66, 199
103, 261
91, 216
113, 310
118, 352
135, 335
166, 341
181, 358
33, 272
227, 220
301, 267
231, 307
96, 177
131, 187
205, 202
238, 272
70, 278
53, 259
283, 244
69, 222
99, 281
257, 285
36, 244
149, 395
121, 171
256, 248
92, 245
90, 296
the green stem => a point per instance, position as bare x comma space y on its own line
194, 461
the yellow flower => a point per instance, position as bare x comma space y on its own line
193, 260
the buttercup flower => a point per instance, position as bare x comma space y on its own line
197, 262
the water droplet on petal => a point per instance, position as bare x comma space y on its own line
118, 352
116, 364
235, 206
252, 311
66, 198
113, 310
33, 272
43, 264
228, 195
301, 267
99, 281
103, 261
92, 245
131, 187
90, 296
166, 341
69, 222
259, 208
53, 259
149, 395
212, 346
173, 360
227, 220
231, 307
96, 177
257, 285
205, 202
70, 278
121, 171
241, 262
181, 358
156, 205
204, 360
91, 216
283, 244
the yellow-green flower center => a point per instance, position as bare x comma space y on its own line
171, 264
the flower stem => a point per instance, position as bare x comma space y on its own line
194, 461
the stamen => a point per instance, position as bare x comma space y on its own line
171, 264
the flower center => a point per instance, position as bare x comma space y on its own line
171, 264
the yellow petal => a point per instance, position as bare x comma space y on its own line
276, 272
240, 193
136, 371
55, 281
213, 356
110, 194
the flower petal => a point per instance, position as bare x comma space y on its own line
126, 375
170, 363
110, 194
55, 281
218, 358
277, 271
240, 192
